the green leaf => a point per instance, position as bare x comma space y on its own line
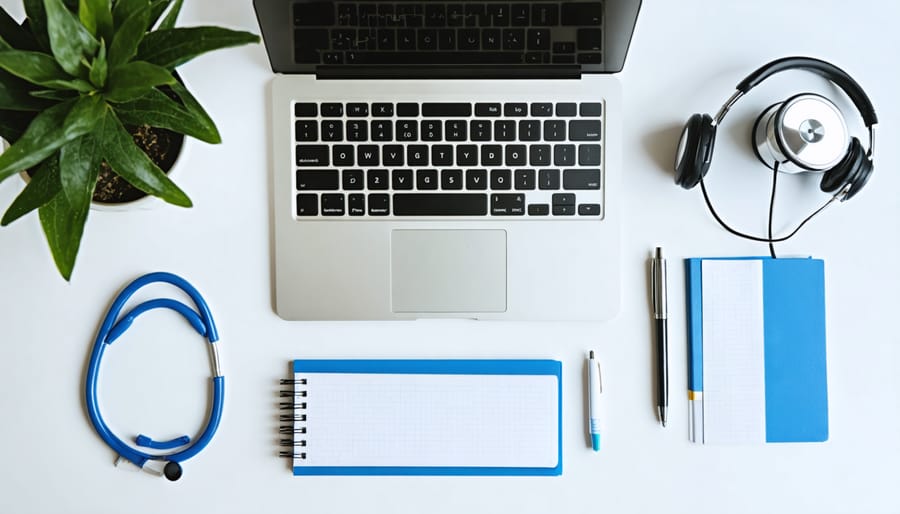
48, 132
63, 225
42, 187
79, 165
134, 80
14, 34
132, 164
100, 67
172, 17
96, 16
37, 22
158, 110
128, 35
123, 9
14, 95
41, 69
157, 8
174, 47
69, 40
60, 95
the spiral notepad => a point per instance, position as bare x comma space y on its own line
424, 417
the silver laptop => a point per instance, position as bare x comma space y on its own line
447, 159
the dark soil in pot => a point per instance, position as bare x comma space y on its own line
161, 145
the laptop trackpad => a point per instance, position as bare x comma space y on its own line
448, 270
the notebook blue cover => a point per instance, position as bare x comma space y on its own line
796, 392
508, 368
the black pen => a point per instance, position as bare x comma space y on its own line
660, 313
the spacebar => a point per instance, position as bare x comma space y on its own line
439, 204
434, 58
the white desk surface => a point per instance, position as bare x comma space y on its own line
686, 57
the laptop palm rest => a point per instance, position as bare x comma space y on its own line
448, 271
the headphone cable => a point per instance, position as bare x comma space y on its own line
769, 239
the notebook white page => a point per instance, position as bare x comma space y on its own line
362, 419
734, 387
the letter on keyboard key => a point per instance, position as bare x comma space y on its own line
318, 180
440, 204
581, 179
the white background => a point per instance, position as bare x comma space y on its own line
686, 57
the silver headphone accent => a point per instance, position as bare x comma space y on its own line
805, 133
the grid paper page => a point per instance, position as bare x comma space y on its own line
380, 419
734, 388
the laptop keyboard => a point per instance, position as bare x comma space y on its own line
448, 33
538, 159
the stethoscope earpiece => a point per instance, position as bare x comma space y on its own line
172, 471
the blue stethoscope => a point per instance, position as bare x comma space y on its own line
113, 326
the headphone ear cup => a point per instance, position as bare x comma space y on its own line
695, 150
853, 170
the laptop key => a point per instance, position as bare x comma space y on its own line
539, 155
491, 39
446, 110
548, 179
538, 209
542, 109
455, 130
505, 130
554, 130
500, 179
306, 131
353, 180
466, 155
382, 130
524, 179
563, 210
516, 155
515, 109
307, 205
333, 204
357, 130
402, 180
563, 199
312, 155
407, 130
314, 14
379, 204
342, 155
356, 204
451, 179
417, 155
491, 155
440, 204
332, 130
442, 155
508, 204
581, 179
317, 180
367, 155
332, 110
480, 130
392, 155
498, 14
582, 13
484, 109
407, 110
377, 179
305, 110
357, 110
544, 15
566, 109
590, 39
431, 130
538, 39
589, 209
564, 155
476, 179
585, 130
426, 179
591, 109
589, 155
529, 130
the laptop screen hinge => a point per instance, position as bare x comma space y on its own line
449, 72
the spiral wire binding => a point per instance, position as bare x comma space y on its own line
296, 417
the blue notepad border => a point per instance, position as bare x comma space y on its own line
793, 290
438, 367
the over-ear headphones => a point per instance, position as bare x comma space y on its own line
805, 133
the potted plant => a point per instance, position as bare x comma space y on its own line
88, 94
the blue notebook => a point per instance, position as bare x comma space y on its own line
427, 417
756, 331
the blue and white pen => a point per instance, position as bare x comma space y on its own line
594, 390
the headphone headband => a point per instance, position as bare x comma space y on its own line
825, 69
